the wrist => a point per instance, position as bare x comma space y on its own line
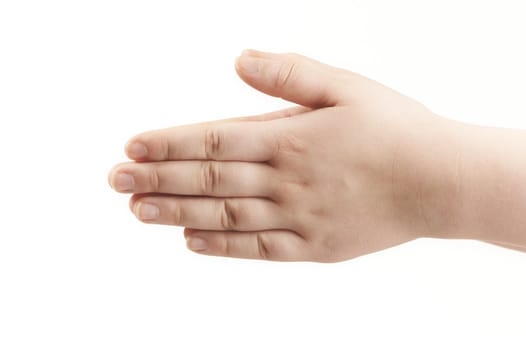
476, 184
491, 200
436, 172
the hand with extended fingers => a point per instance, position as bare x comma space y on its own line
355, 168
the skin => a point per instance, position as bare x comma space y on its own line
355, 168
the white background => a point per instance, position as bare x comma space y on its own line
78, 271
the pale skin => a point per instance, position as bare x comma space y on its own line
355, 168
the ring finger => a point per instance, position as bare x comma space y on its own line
208, 213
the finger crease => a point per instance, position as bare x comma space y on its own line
228, 218
262, 247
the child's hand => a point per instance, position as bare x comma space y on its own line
357, 169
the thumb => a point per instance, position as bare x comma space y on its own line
293, 77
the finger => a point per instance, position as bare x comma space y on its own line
197, 178
277, 245
148, 145
240, 141
294, 78
208, 213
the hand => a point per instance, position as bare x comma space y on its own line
350, 171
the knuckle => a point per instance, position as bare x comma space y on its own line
227, 247
229, 215
213, 143
164, 147
286, 72
154, 181
288, 143
177, 215
210, 177
263, 246
293, 191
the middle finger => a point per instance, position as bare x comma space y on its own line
196, 178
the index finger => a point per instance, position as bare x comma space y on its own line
209, 140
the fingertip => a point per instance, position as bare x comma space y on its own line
248, 66
131, 202
111, 176
247, 52
196, 244
136, 150
134, 198
255, 53
237, 66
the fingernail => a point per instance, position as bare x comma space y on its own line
124, 182
146, 211
248, 64
196, 243
136, 150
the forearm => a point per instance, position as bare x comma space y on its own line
490, 186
